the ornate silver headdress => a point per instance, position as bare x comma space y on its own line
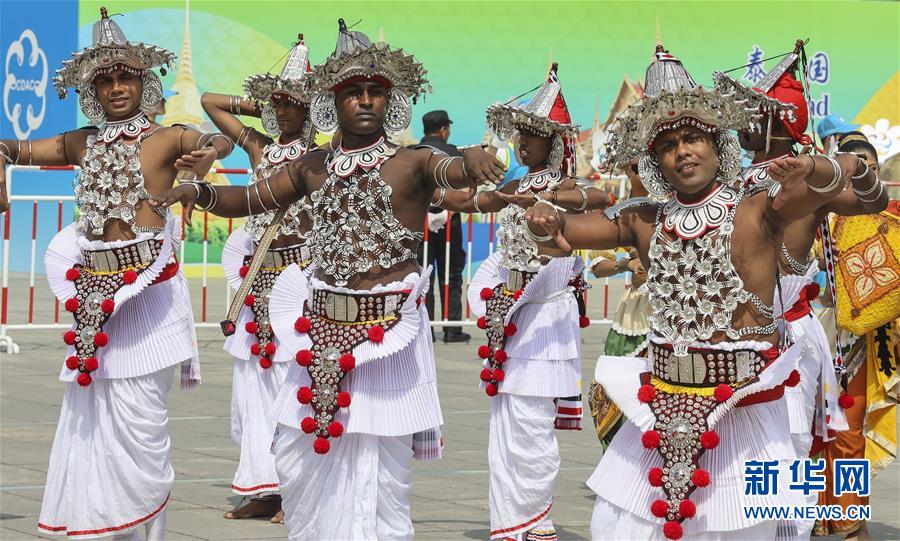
672, 99
294, 82
356, 56
110, 49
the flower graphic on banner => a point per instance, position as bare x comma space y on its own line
884, 137
25, 84
870, 271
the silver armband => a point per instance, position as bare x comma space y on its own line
835, 180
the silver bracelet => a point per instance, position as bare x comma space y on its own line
584, 198
258, 198
210, 137
835, 180
242, 137
235, 105
249, 208
537, 238
557, 208
880, 191
30, 153
18, 151
440, 172
475, 202
871, 188
864, 173
272, 194
443, 193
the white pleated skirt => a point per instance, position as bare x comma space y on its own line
110, 468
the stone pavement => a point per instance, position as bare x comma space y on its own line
449, 497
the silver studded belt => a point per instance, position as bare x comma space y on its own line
279, 258
353, 308
706, 367
516, 279
132, 256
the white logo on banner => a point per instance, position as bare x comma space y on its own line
11, 84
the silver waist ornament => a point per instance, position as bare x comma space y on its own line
517, 250
111, 184
275, 156
354, 224
694, 287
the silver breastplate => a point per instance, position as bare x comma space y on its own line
354, 224
110, 184
274, 157
693, 285
517, 250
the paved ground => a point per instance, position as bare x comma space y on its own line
449, 497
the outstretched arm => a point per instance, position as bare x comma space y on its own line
453, 173
224, 110
550, 227
808, 183
571, 195
200, 150
864, 194
470, 200
64, 149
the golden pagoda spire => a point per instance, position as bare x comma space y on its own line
184, 107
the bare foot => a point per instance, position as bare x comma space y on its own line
256, 508
278, 518
860, 534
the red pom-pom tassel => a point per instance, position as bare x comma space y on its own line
487, 293
72, 363
255, 349
304, 395
243, 271
490, 389
129, 277
723, 392
484, 351
500, 356
347, 362
304, 357
700, 477
793, 380
108, 305
709, 440
270, 349
510, 329
498, 375
646, 393
655, 477
486, 374
308, 425
84, 379
481, 323
687, 508
517, 295
321, 446
659, 508
71, 304
584, 322
335, 429
376, 334
302, 325
846, 401
69, 338
650, 439
249, 300
91, 364
265, 362
251, 327
101, 339
343, 399
73, 274
673, 530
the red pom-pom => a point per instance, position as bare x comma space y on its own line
347, 362
646, 393
270, 349
481, 323
490, 389
302, 324
91, 364
846, 401
650, 439
255, 349
308, 425
517, 294
500, 356
709, 440
673, 530
101, 339
376, 334
304, 395
487, 293
484, 351
69, 337
793, 379
304, 357
723, 392
498, 374
655, 477
243, 271
343, 399
485, 374
700, 477
584, 322
265, 362
335, 429
321, 446
84, 379
659, 508
510, 329
71, 304
249, 300
129, 277
251, 327
687, 508
72, 362
73, 274
108, 305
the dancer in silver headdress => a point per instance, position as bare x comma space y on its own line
260, 365
115, 271
709, 396
361, 401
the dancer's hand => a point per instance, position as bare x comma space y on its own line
482, 168
547, 220
186, 194
523, 200
791, 172
198, 162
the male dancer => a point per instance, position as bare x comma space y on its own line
282, 101
115, 270
362, 399
715, 372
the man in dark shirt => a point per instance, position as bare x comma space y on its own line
437, 131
